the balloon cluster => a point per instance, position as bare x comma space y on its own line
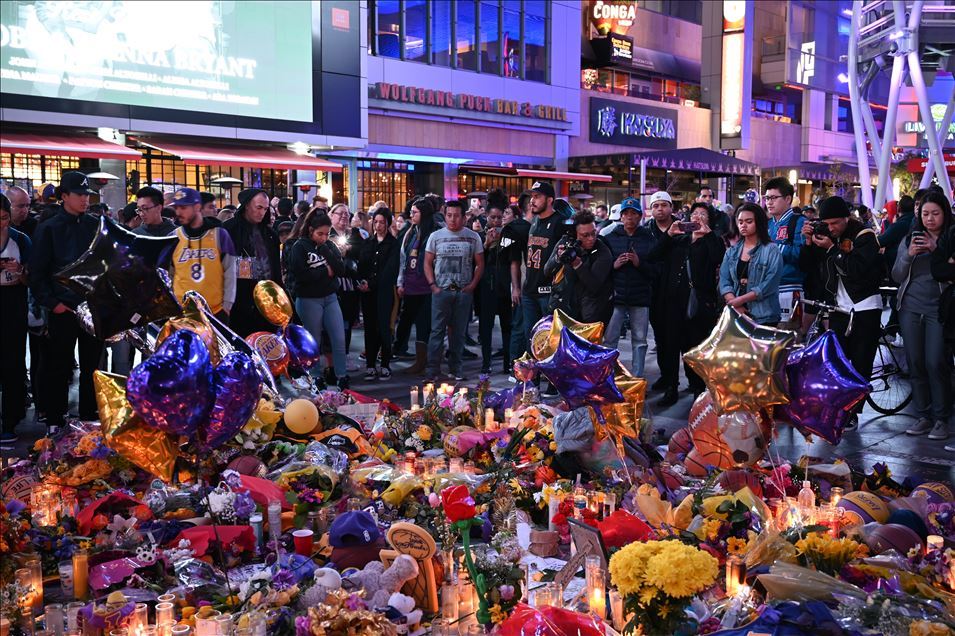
292, 346
749, 368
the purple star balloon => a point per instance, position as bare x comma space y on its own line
582, 371
823, 388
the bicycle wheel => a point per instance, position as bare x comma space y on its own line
891, 390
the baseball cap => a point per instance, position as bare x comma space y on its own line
660, 195
75, 183
751, 196
631, 203
186, 196
353, 528
833, 208
614, 213
544, 188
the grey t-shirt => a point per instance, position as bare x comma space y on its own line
922, 294
454, 255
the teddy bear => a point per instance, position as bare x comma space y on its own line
380, 583
406, 605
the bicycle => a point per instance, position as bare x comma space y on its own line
891, 391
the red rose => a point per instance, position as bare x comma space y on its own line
544, 475
458, 504
100, 521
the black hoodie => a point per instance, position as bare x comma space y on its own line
308, 264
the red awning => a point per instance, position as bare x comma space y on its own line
536, 174
64, 145
259, 157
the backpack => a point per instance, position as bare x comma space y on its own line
791, 227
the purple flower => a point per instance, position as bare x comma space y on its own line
283, 579
15, 507
243, 505
303, 626
507, 592
100, 452
355, 603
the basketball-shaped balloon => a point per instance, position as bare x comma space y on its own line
694, 464
301, 416
935, 491
736, 480
671, 479
893, 536
679, 445
704, 429
272, 349
864, 507
910, 519
460, 440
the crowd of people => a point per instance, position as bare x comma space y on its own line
439, 265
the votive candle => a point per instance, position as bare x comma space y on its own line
489, 424
735, 574
164, 613
427, 392
835, 495
36, 582
54, 620
934, 542
81, 573
414, 397
596, 580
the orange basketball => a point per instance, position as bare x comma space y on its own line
694, 464
680, 444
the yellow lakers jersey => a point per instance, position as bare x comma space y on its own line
197, 266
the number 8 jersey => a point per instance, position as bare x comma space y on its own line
205, 264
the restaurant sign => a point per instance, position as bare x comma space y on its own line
626, 124
386, 91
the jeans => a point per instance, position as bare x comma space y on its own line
65, 334
492, 305
415, 310
930, 365
448, 309
325, 313
518, 337
533, 309
639, 324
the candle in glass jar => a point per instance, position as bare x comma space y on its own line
164, 613
508, 417
489, 424
835, 495
934, 542
36, 582
735, 574
54, 619
427, 392
414, 397
24, 578
596, 580
81, 573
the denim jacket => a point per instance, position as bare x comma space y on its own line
765, 274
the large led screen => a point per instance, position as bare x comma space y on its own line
234, 57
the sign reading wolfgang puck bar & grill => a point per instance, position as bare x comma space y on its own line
386, 91
627, 124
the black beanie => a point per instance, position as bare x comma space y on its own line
833, 208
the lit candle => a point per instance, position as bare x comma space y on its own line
164, 613
610, 503
427, 393
489, 424
934, 542
139, 619
835, 495
596, 580
36, 582
508, 416
735, 574
24, 577
81, 572
414, 397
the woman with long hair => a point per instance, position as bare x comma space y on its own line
314, 269
348, 240
918, 298
378, 273
413, 287
752, 269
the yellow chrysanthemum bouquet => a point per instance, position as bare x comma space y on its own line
658, 579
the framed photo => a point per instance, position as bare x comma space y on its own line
588, 540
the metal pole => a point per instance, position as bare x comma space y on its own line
866, 110
935, 152
885, 159
865, 181
942, 137
643, 183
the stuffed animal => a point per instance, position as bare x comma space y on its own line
380, 583
406, 605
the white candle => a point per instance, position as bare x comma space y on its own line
489, 424
934, 542
508, 417
427, 393
414, 397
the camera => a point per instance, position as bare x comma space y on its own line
571, 252
688, 226
821, 228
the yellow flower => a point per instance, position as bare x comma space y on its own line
498, 615
735, 545
424, 432
680, 570
647, 595
627, 567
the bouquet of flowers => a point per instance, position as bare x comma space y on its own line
309, 489
502, 575
14, 526
229, 502
936, 566
824, 553
658, 579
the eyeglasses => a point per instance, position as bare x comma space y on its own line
769, 198
144, 209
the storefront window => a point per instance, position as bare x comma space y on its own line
32, 171
621, 83
389, 27
441, 32
845, 117
416, 27
535, 37
490, 42
384, 181
466, 48
511, 36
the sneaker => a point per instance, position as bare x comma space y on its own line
950, 448
343, 383
362, 356
351, 364
939, 431
457, 376
670, 397
852, 424
923, 426
39, 417
659, 385
370, 374
8, 439
384, 373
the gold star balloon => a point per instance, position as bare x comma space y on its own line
742, 363
544, 343
126, 433
623, 418
195, 320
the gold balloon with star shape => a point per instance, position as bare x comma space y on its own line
742, 363
126, 433
544, 343
195, 320
623, 418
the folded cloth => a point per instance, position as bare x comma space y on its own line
574, 431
